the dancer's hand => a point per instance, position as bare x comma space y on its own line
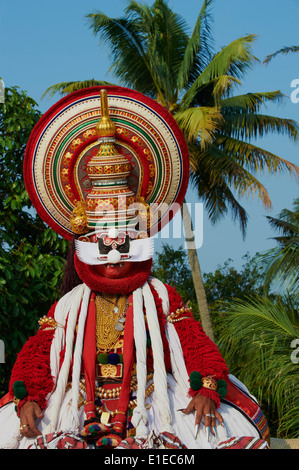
204, 407
29, 412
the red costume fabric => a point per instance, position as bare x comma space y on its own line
200, 354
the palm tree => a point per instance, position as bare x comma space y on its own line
281, 262
152, 51
258, 339
262, 331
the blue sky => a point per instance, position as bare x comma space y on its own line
45, 43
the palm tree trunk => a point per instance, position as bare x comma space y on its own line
196, 273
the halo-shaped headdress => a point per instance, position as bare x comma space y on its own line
102, 150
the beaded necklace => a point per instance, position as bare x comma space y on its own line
113, 394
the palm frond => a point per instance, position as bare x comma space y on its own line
255, 158
281, 267
284, 50
253, 125
200, 122
287, 223
212, 92
281, 263
127, 51
290, 231
198, 45
165, 34
212, 174
250, 102
259, 314
225, 168
64, 88
146, 47
232, 60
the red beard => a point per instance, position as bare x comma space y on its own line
135, 278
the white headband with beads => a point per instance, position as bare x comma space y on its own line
140, 250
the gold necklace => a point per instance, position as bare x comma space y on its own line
115, 309
109, 325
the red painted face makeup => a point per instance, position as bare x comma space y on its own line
114, 271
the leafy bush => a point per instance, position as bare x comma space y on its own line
31, 254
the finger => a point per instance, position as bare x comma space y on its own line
199, 416
198, 419
219, 417
214, 428
208, 421
190, 407
27, 432
207, 415
24, 429
213, 423
38, 412
33, 428
221, 421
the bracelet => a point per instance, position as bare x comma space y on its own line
197, 382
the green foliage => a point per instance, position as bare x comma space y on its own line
256, 341
31, 254
258, 332
254, 332
226, 283
223, 285
281, 263
171, 267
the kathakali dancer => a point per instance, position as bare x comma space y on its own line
119, 361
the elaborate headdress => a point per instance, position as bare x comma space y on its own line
106, 158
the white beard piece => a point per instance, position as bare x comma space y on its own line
140, 250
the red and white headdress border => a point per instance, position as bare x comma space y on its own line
65, 139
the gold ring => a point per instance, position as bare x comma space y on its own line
23, 426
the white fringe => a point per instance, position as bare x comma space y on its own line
73, 424
61, 311
178, 365
68, 309
162, 292
57, 396
160, 376
139, 418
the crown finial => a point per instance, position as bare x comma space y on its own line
105, 127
